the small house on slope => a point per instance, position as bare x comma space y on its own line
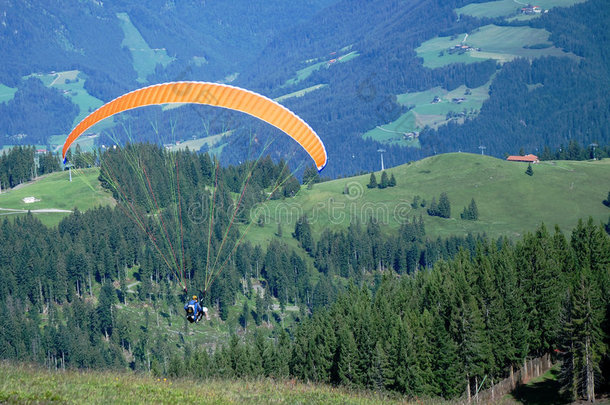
527, 158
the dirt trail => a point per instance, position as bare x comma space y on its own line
8, 211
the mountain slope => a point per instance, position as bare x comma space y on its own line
509, 201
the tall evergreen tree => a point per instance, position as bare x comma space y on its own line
385, 182
588, 345
372, 181
444, 206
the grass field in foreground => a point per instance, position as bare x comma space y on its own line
31, 384
55, 191
509, 201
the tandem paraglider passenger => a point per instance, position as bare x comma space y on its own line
194, 311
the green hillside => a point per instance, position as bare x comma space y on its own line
55, 196
505, 8
23, 384
509, 201
489, 42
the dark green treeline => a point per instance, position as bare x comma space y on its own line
433, 333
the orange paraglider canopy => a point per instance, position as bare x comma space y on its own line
220, 95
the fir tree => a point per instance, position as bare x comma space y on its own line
588, 348
444, 206
302, 233
372, 181
384, 180
104, 308
530, 170
471, 212
392, 182
433, 209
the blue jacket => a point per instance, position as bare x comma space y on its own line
195, 305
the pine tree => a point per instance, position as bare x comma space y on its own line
392, 182
302, 233
433, 209
311, 175
589, 347
345, 357
372, 181
444, 206
104, 308
471, 212
384, 180
530, 170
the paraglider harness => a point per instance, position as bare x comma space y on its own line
194, 311
191, 313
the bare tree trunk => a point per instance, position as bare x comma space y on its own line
589, 370
512, 377
468, 388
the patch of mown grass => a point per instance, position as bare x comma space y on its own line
509, 201
489, 42
432, 107
505, 8
144, 57
55, 191
304, 73
6, 93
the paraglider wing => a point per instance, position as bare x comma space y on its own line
213, 94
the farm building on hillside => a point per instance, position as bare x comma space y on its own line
527, 158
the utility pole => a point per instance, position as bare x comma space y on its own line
69, 166
381, 152
482, 149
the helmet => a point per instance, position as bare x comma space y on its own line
194, 297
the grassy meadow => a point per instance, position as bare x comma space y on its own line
33, 384
300, 93
423, 111
509, 201
505, 8
56, 192
495, 42
304, 73
144, 57
6, 93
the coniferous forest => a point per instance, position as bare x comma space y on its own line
377, 309
362, 306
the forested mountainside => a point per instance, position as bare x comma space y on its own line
464, 321
344, 66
